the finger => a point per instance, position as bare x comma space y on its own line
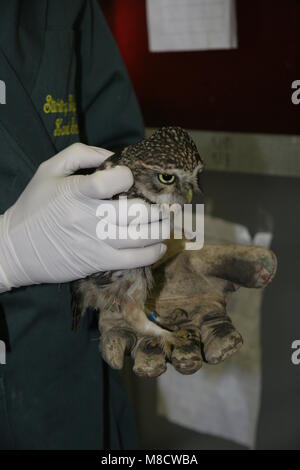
219, 337
114, 344
104, 184
135, 236
130, 211
131, 258
107, 153
186, 356
221, 344
149, 358
248, 266
75, 157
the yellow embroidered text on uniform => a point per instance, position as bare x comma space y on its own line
65, 129
63, 125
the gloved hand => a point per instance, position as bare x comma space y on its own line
49, 234
190, 298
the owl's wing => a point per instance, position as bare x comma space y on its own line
78, 290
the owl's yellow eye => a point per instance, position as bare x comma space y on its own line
164, 178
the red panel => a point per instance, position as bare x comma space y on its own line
248, 89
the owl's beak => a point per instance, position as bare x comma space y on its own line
189, 195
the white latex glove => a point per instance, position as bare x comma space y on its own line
49, 234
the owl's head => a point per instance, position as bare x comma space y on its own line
166, 167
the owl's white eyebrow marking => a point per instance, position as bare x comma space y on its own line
179, 172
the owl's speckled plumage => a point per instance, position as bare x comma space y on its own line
169, 151
172, 145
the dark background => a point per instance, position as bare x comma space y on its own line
249, 90
245, 89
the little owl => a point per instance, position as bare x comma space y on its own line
166, 169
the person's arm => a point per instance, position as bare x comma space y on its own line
110, 115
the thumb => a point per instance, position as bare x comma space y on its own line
76, 157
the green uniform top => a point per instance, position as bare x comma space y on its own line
65, 82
